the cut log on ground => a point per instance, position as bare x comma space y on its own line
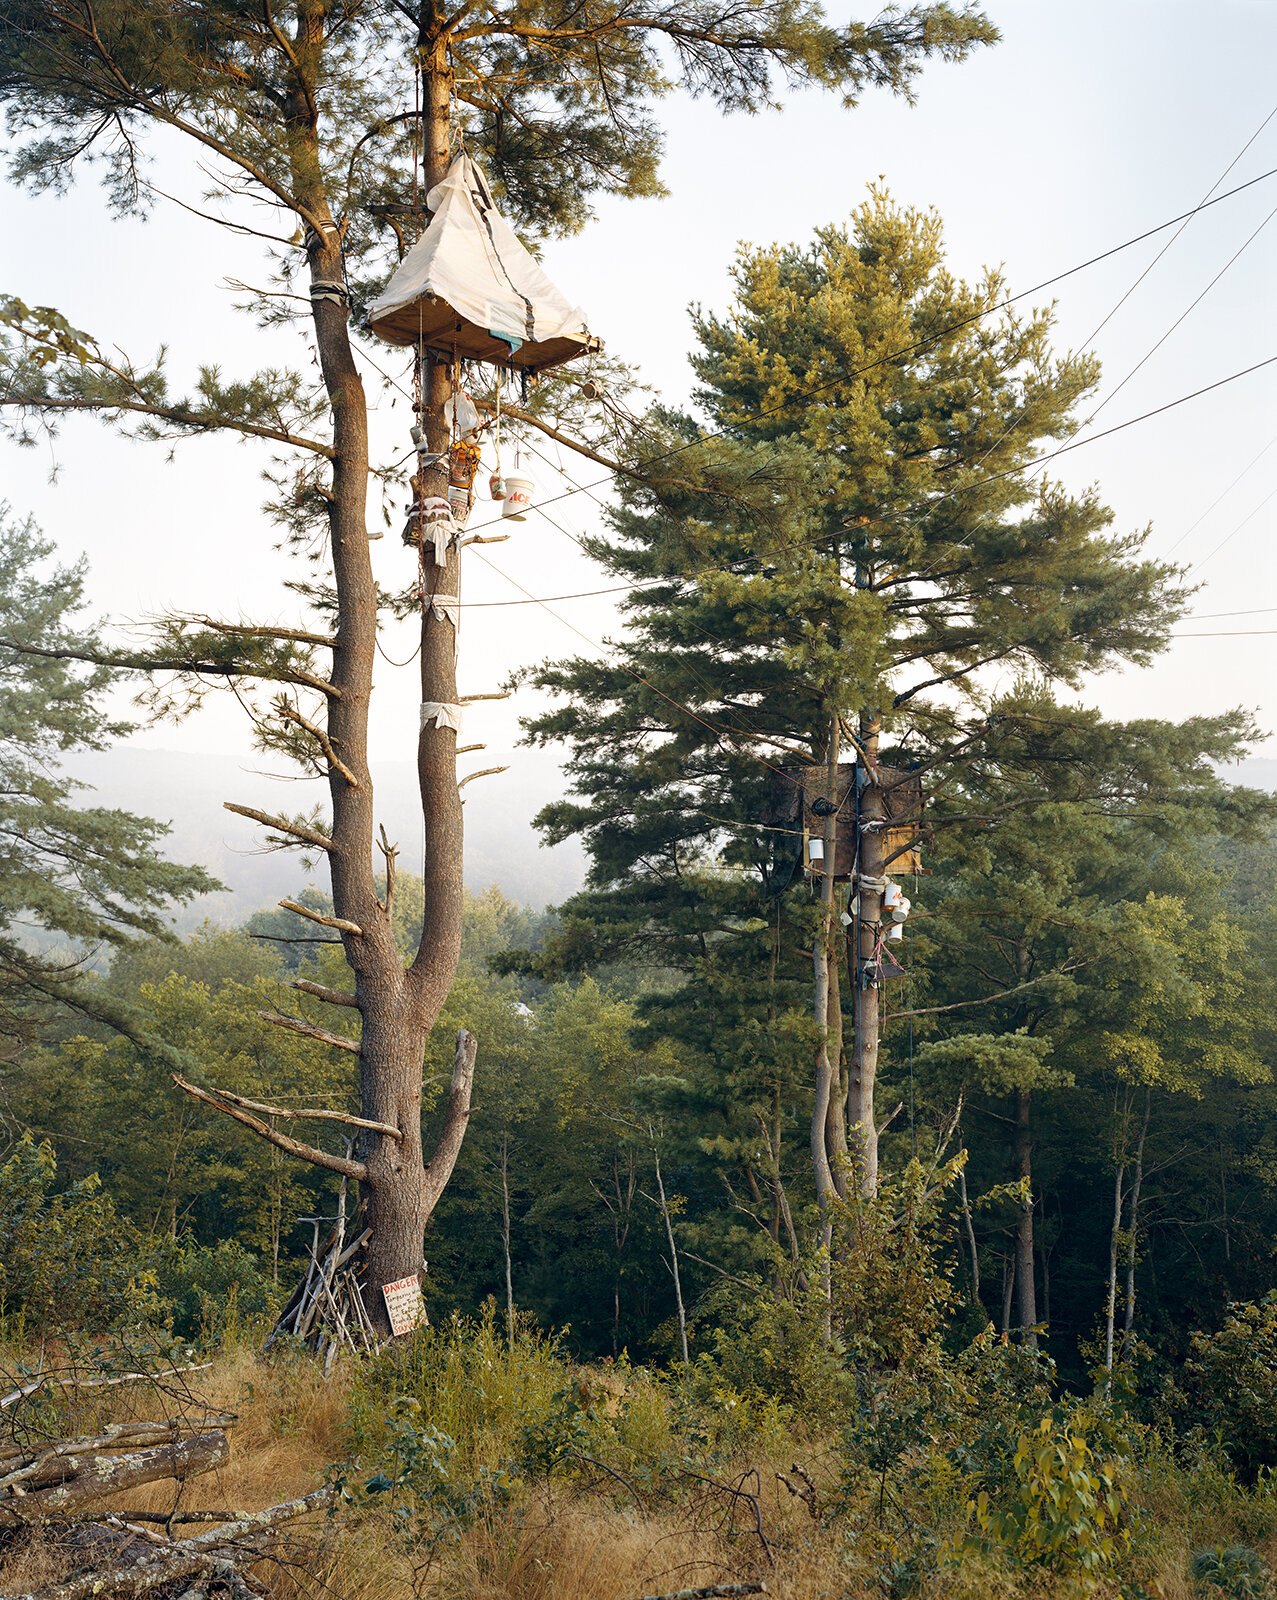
215, 1558
95, 1475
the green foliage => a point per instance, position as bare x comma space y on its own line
68, 1262
211, 1292
71, 876
1230, 1572
1228, 1386
1066, 1506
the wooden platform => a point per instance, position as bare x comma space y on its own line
437, 326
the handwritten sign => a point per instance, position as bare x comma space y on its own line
404, 1305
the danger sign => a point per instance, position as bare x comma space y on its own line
404, 1305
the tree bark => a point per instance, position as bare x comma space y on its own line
505, 1238
1115, 1237
1132, 1237
669, 1234
871, 850
1026, 1294
970, 1232
826, 1058
96, 1477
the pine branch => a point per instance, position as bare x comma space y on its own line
281, 1141
129, 662
261, 630
305, 835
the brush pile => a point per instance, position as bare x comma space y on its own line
55, 1486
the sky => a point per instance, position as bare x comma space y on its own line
1089, 123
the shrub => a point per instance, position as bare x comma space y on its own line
68, 1263
1233, 1570
1065, 1508
209, 1290
1228, 1385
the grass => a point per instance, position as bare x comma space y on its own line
515, 1474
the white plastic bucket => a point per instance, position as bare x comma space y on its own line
815, 850
518, 497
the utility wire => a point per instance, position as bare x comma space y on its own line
953, 327
1223, 494
1197, 564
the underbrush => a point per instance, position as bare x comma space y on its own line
471, 1465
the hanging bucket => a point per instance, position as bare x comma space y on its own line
497, 486
518, 497
816, 851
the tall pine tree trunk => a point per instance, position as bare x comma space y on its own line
864, 1064
1026, 1291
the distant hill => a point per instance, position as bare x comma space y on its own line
186, 791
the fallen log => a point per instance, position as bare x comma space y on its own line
95, 1476
211, 1556
36, 1465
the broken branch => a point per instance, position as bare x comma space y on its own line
318, 916
281, 1141
334, 997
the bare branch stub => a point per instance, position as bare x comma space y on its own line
309, 1031
318, 916
333, 997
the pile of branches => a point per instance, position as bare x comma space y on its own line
54, 1483
131, 1560
327, 1310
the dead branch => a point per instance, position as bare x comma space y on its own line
309, 1031
214, 1553
334, 997
95, 1476
391, 853
317, 1114
318, 916
487, 772
439, 1169
289, 713
710, 1591
281, 1141
321, 841
71, 1380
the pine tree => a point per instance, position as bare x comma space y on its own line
73, 878
836, 558
302, 106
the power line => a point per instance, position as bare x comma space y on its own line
1223, 494
1236, 530
953, 327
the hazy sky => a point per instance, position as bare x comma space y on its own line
1087, 124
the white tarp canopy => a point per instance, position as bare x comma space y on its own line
468, 286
